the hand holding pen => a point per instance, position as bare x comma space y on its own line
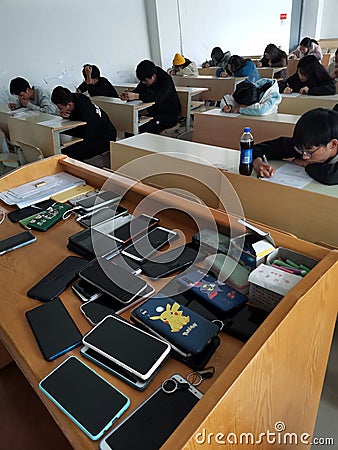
263, 168
226, 108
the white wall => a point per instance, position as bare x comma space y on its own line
47, 42
244, 27
329, 27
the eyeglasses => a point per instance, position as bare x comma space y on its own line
307, 153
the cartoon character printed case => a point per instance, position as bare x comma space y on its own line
220, 296
175, 323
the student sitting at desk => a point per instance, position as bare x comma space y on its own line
157, 86
98, 131
253, 99
314, 145
241, 67
183, 66
274, 57
333, 67
34, 98
94, 84
307, 46
311, 78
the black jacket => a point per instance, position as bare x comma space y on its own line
283, 147
167, 107
98, 128
102, 87
295, 84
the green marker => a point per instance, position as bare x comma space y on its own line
301, 266
292, 264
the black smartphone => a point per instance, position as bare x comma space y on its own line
135, 350
172, 261
103, 306
101, 215
86, 291
113, 280
91, 243
244, 322
146, 245
16, 241
58, 279
54, 329
134, 228
99, 200
84, 396
151, 423
19, 214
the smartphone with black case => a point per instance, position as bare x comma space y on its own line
58, 279
134, 228
99, 200
185, 330
151, 423
146, 245
54, 329
135, 350
115, 369
16, 241
86, 291
103, 306
244, 322
101, 215
91, 243
113, 280
172, 261
84, 396
19, 214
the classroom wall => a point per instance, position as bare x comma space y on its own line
329, 20
48, 42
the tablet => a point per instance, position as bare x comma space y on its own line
54, 329
134, 349
89, 400
151, 424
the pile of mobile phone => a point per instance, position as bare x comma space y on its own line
132, 354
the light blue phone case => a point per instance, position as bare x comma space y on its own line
74, 419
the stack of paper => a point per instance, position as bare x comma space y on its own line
40, 189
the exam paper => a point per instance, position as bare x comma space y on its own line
290, 175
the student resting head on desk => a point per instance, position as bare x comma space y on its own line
241, 67
183, 66
156, 85
311, 78
253, 99
314, 145
98, 131
34, 98
94, 84
274, 57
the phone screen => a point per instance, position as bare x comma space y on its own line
102, 215
95, 201
148, 244
134, 349
151, 424
16, 241
133, 228
89, 400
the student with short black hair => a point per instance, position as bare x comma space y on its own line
34, 98
157, 86
314, 145
98, 131
94, 84
311, 78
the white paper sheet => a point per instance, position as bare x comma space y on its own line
290, 175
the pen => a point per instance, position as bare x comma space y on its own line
265, 160
225, 100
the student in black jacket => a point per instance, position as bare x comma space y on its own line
157, 86
311, 78
98, 131
314, 145
94, 84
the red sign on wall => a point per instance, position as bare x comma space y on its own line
283, 16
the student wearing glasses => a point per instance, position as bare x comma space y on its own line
314, 146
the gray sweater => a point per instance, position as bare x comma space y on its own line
41, 102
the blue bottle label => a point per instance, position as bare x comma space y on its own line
246, 156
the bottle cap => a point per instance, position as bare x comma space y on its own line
247, 130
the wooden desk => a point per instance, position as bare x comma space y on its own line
268, 376
217, 87
206, 184
184, 93
42, 130
303, 103
216, 128
125, 116
207, 71
328, 44
5, 113
269, 72
292, 66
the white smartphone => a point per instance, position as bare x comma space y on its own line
135, 350
145, 246
151, 424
